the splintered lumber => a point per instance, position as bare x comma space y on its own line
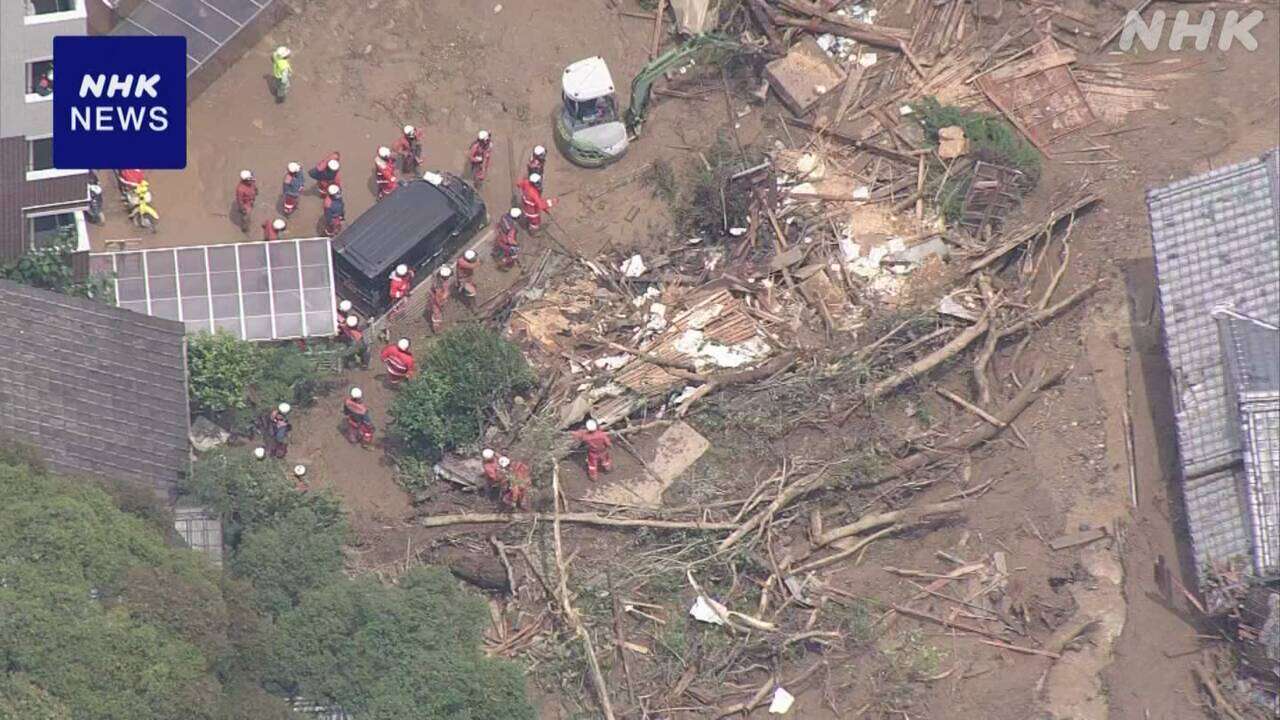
1219, 700
1027, 233
566, 606
978, 435
1119, 28
853, 141
873, 521
580, 518
983, 414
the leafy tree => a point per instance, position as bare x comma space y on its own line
465, 372
250, 494
220, 368
49, 268
408, 652
239, 381
65, 622
296, 553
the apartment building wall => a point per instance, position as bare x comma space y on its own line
44, 194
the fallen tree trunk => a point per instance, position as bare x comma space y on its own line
566, 605
580, 518
930, 361
866, 523
978, 435
1026, 233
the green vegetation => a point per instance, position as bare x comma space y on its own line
49, 268
391, 653
465, 372
99, 617
991, 139
237, 381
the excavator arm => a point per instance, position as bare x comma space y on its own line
708, 47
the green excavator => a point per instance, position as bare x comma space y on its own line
590, 130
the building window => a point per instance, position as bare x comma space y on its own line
48, 7
40, 78
44, 230
40, 154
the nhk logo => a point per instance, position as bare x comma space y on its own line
121, 102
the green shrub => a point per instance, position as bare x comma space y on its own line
239, 381
220, 368
464, 373
991, 139
407, 652
251, 494
78, 638
49, 268
296, 553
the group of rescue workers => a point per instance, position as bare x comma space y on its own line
507, 480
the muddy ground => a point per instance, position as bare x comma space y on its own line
365, 68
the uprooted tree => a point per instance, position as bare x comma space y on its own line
465, 373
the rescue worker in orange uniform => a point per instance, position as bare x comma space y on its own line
384, 172
271, 229
400, 283
598, 443
479, 155
398, 361
532, 203
519, 480
465, 281
537, 161
439, 296
246, 195
492, 473
408, 149
506, 246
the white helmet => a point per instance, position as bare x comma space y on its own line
353, 321
295, 167
487, 454
445, 272
334, 165
246, 175
260, 453
283, 51
299, 470
514, 213
482, 135
402, 270
535, 178
539, 151
408, 130
278, 224
334, 189
95, 189
592, 425
384, 152
504, 461
403, 344
356, 393
284, 408
344, 306
469, 256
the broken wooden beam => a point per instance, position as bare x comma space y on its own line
580, 518
883, 152
1026, 233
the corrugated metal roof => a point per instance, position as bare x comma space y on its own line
1216, 240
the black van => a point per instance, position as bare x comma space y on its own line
421, 224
